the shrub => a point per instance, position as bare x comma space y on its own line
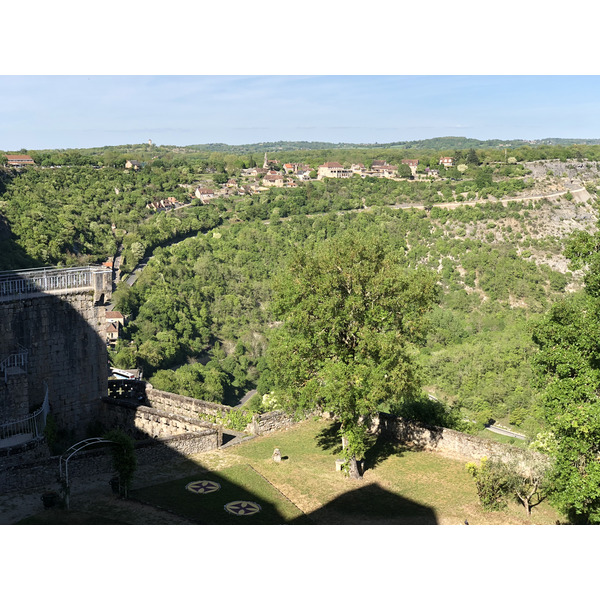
237, 420
124, 459
492, 483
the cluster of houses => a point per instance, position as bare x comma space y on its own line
166, 204
260, 179
379, 168
271, 174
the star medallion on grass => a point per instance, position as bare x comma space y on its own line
203, 487
242, 508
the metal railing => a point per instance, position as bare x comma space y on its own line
34, 424
22, 283
17, 359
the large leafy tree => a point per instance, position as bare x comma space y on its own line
569, 367
351, 313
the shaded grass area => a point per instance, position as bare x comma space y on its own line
238, 483
59, 516
399, 487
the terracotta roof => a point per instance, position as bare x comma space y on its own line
332, 165
18, 157
113, 314
111, 328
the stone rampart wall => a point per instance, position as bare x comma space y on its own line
140, 421
64, 336
451, 443
14, 397
174, 404
183, 405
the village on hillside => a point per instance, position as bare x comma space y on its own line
255, 180
275, 174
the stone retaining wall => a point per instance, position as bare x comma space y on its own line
64, 337
140, 421
184, 405
453, 444
25, 452
268, 422
45, 472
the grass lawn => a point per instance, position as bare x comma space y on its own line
399, 486
238, 483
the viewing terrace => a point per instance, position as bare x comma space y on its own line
17, 285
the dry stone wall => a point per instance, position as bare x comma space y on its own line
174, 404
184, 405
268, 422
141, 421
453, 444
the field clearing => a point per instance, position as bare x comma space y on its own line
400, 486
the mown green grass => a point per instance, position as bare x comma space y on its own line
239, 482
399, 487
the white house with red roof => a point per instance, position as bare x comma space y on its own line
204, 194
333, 169
19, 160
273, 180
413, 163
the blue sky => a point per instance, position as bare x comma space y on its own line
55, 111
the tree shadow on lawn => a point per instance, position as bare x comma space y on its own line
368, 505
373, 505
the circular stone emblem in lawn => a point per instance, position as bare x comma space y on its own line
203, 487
242, 508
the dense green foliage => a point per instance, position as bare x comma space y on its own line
81, 214
568, 365
200, 314
351, 314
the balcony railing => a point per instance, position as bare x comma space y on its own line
17, 284
17, 359
33, 425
